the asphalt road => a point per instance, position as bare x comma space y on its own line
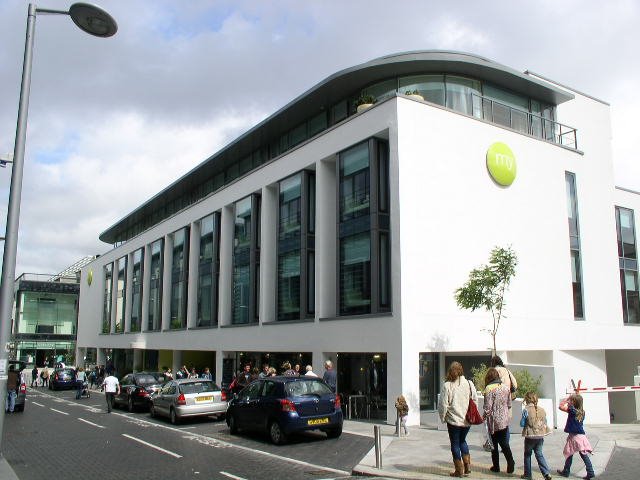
62, 438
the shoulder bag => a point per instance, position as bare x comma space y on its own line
473, 415
512, 389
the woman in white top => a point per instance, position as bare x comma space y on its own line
454, 402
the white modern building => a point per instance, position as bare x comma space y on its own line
328, 233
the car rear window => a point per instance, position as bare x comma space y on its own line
306, 387
65, 374
146, 380
198, 387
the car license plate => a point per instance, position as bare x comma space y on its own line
317, 421
204, 399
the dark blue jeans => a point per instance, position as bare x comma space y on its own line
458, 440
534, 445
587, 464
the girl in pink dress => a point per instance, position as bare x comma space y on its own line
577, 441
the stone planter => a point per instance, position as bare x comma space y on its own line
415, 96
363, 106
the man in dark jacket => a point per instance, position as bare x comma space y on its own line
329, 376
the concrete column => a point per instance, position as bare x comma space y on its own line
166, 281
226, 264
101, 357
192, 281
128, 292
146, 280
80, 354
636, 382
177, 362
137, 360
268, 253
326, 270
217, 368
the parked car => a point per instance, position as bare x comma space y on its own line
62, 378
21, 398
188, 397
136, 389
284, 405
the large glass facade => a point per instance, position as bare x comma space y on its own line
106, 298
296, 253
574, 241
628, 260
48, 313
209, 271
121, 294
154, 320
246, 258
363, 232
136, 290
179, 278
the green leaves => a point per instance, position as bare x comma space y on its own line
487, 285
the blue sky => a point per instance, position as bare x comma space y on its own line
113, 121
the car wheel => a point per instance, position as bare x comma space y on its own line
130, 405
19, 408
334, 432
276, 434
175, 419
152, 411
233, 424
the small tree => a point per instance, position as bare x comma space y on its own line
487, 286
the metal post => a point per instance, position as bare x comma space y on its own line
13, 213
377, 437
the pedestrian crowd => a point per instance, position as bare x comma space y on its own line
458, 400
250, 373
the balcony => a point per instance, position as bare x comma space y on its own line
524, 122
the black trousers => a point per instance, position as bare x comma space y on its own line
501, 438
109, 396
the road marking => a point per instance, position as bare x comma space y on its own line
152, 446
39, 404
64, 413
232, 476
90, 423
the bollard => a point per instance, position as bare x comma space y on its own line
377, 437
398, 425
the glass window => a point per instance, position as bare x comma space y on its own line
289, 286
460, 92
208, 270
136, 290
290, 208
630, 296
355, 279
106, 308
154, 320
242, 262
242, 237
574, 240
338, 112
626, 233
241, 286
121, 297
354, 182
297, 135
317, 124
179, 275
431, 87
311, 282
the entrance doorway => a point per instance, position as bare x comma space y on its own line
362, 381
429, 378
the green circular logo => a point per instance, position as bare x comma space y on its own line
501, 163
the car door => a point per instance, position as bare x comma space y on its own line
266, 406
247, 405
125, 383
165, 397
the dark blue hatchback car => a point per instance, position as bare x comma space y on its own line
281, 406
62, 378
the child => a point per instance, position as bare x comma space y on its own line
534, 428
403, 412
577, 440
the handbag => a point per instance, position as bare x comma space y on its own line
473, 415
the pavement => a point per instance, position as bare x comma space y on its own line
425, 453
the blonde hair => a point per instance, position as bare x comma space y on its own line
455, 371
577, 402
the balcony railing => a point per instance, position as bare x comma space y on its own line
523, 121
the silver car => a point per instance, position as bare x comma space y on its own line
188, 397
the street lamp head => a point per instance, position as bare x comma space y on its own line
93, 20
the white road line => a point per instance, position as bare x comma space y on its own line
36, 403
90, 423
64, 413
232, 476
152, 446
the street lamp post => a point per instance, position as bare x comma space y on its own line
94, 21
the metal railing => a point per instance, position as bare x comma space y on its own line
523, 121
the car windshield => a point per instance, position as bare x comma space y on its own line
306, 387
146, 380
198, 387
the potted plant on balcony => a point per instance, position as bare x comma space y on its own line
364, 101
415, 94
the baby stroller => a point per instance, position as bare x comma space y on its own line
85, 392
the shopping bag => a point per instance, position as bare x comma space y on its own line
487, 446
